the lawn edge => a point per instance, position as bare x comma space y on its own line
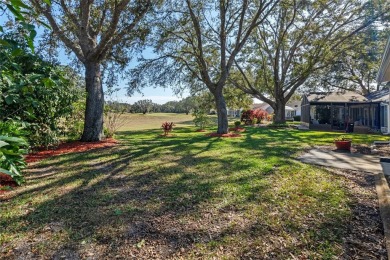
383, 191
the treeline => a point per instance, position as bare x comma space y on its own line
186, 105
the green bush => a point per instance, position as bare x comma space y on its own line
297, 118
35, 91
12, 161
237, 123
201, 119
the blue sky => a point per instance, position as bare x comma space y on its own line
157, 95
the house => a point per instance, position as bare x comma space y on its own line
335, 110
384, 76
290, 111
384, 70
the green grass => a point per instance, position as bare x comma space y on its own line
187, 196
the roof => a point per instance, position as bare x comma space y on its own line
379, 96
384, 70
335, 97
265, 106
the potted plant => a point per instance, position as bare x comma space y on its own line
343, 143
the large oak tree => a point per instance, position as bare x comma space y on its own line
96, 31
298, 38
197, 43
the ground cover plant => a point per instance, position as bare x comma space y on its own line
192, 197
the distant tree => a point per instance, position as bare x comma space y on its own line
188, 104
143, 106
297, 39
197, 43
97, 32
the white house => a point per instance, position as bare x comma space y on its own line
384, 76
290, 111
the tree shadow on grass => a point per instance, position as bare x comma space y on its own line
147, 196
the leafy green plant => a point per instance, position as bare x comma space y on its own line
35, 91
342, 138
201, 119
237, 123
12, 161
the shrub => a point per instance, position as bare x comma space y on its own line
113, 119
253, 116
237, 123
12, 161
167, 127
297, 118
201, 119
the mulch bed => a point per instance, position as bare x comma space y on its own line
70, 147
224, 135
201, 130
6, 182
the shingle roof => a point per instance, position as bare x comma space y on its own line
379, 96
336, 97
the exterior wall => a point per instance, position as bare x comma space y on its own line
305, 111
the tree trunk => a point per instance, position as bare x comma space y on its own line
280, 112
93, 123
221, 112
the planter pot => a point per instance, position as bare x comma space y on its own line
343, 145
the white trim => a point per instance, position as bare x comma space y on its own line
384, 70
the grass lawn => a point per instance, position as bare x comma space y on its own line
187, 196
135, 122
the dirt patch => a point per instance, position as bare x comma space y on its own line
70, 147
201, 130
364, 237
224, 135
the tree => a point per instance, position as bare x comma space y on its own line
356, 69
97, 32
197, 43
297, 39
236, 98
143, 106
188, 104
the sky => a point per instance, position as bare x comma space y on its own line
157, 95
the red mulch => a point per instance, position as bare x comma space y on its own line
237, 129
200, 130
6, 181
71, 147
223, 135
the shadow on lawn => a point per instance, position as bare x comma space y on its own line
148, 189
